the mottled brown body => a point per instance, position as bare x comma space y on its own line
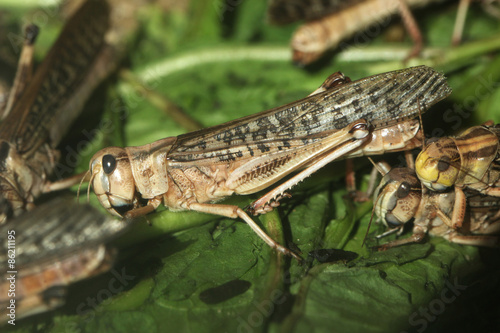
42, 287
397, 184
469, 160
344, 19
400, 199
484, 214
68, 244
288, 11
341, 119
48, 104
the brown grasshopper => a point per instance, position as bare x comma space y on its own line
330, 22
41, 107
468, 161
400, 199
68, 244
340, 119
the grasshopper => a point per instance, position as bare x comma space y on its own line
330, 22
468, 161
193, 171
41, 107
67, 245
401, 198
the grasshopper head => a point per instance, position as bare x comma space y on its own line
398, 196
112, 180
438, 165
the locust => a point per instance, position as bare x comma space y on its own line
401, 199
467, 161
329, 23
194, 171
68, 244
42, 105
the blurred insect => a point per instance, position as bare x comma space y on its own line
401, 199
68, 244
284, 12
340, 119
41, 107
330, 22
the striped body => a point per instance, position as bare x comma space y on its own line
195, 170
249, 154
49, 103
58, 243
401, 199
470, 159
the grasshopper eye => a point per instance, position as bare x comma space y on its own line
403, 190
443, 164
108, 164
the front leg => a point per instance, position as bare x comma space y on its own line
459, 210
268, 207
144, 210
416, 237
350, 180
420, 230
65, 183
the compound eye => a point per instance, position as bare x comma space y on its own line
403, 190
108, 164
443, 164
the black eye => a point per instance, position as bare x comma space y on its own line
443, 164
108, 164
403, 190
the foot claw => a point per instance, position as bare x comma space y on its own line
269, 206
